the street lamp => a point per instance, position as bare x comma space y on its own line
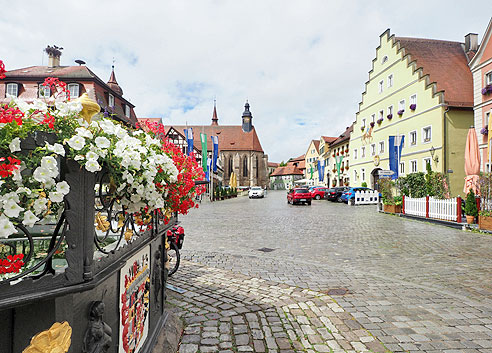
433, 152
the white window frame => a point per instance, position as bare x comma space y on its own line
46, 91
402, 167
488, 78
363, 172
381, 147
128, 111
390, 80
355, 153
362, 152
413, 99
416, 169
381, 86
373, 149
364, 122
355, 175
373, 117
425, 161
111, 100
423, 134
412, 143
12, 84
381, 114
401, 105
390, 110
74, 85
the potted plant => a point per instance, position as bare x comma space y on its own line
372, 124
400, 112
413, 106
379, 121
334, 183
333, 170
390, 116
485, 130
364, 184
487, 89
362, 128
471, 210
346, 150
342, 152
346, 167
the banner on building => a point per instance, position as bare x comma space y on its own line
395, 145
215, 154
203, 138
189, 141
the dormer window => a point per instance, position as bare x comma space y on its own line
111, 101
12, 90
44, 91
74, 90
127, 111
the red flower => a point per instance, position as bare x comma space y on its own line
7, 169
2, 70
7, 115
12, 263
57, 87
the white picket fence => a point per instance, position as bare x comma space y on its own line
415, 206
440, 209
366, 197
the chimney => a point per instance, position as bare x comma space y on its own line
54, 54
471, 42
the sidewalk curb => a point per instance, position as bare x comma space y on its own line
429, 220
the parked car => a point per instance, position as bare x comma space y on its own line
335, 194
256, 192
299, 195
350, 193
311, 188
319, 193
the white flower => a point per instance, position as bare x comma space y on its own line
56, 148
15, 145
102, 142
6, 227
11, 209
29, 219
49, 163
120, 132
40, 205
63, 187
77, 142
56, 196
16, 175
62, 107
135, 198
91, 155
121, 187
107, 126
79, 157
22, 105
24, 190
81, 131
75, 106
83, 123
42, 174
39, 105
92, 166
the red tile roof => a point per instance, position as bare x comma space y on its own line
344, 137
231, 137
273, 165
328, 139
288, 170
316, 145
446, 64
298, 159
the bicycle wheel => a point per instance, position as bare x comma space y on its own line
173, 257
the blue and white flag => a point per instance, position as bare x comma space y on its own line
320, 171
189, 141
209, 167
215, 151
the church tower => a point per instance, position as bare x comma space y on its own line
215, 119
247, 119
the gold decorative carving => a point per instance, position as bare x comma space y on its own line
90, 107
57, 339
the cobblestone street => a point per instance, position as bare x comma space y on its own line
379, 281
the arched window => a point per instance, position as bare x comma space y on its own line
245, 167
230, 166
257, 169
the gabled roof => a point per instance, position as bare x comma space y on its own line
344, 137
316, 144
231, 137
273, 165
446, 64
298, 159
328, 139
478, 58
288, 170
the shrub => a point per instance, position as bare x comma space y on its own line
471, 205
386, 186
364, 184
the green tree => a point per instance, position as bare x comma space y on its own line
282, 164
471, 205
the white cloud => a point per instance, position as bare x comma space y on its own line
294, 60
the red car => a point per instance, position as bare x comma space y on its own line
299, 195
318, 193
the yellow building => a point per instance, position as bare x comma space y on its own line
338, 164
416, 110
311, 158
324, 158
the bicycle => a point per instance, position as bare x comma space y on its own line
175, 238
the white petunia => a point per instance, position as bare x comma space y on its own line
16, 175
39, 105
62, 108
102, 142
6, 227
81, 131
42, 174
56, 148
77, 142
40, 205
82, 122
75, 106
63, 187
15, 145
24, 190
29, 219
22, 105
49, 163
92, 166
79, 157
107, 126
11, 209
56, 196
91, 155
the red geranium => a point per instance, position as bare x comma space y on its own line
7, 115
57, 87
6, 169
12, 263
2, 70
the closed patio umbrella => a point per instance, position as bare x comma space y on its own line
472, 163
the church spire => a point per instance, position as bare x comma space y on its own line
247, 116
113, 84
215, 120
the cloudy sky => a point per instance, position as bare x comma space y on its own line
301, 64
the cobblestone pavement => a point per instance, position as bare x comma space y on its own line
412, 285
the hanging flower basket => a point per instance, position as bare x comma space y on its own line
485, 130
346, 150
390, 116
347, 168
333, 155
372, 124
413, 106
333, 170
487, 89
338, 153
400, 112
379, 121
342, 152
